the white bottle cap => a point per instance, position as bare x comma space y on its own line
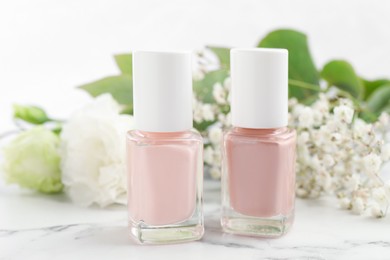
259, 87
162, 91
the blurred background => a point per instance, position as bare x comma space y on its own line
47, 47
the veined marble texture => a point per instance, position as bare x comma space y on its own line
34, 226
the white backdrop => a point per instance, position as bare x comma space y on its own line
47, 47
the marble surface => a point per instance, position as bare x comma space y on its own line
50, 227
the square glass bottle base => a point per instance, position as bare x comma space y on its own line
270, 227
175, 233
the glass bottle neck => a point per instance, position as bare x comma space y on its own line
179, 134
260, 131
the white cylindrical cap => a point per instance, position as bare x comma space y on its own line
162, 91
259, 79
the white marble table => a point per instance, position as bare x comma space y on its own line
42, 227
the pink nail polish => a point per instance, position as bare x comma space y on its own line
164, 154
258, 179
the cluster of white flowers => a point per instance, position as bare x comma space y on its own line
220, 115
341, 155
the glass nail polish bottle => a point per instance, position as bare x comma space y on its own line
258, 175
164, 154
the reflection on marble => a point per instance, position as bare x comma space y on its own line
61, 230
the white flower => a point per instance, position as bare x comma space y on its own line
343, 113
227, 83
219, 93
197, 110
358, 205
372, 163
207, 112
301, 193
353, 182
345, 203
328, 160
208, 155
379, 195
385, 152
215, 135
303, 138
376, 210
225, 120
306, 117
93, 153
215, 172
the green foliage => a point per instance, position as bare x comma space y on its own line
371, 86
379, 100
301, 65
223, 55
31, 114
341, 74
204, 87
370, 96
120, 87
125, 63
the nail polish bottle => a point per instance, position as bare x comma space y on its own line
164, 154
258, 175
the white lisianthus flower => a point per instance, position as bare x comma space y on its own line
93, 153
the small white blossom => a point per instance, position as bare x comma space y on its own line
197, 110
379, 195
376, 210
208, 155
353, 182
328, 160
215, 135
207, 112
219, 93
358, 205
227, 83
306, 117
302, 193
385, 153
345, 203
215, 173
372, 163
343, 114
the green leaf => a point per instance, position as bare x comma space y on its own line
120, 87
301, 65
204, 88
31, 114
379, 100
341, 74
223, 55
125, 63
371, 86
203, 125
127, 110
